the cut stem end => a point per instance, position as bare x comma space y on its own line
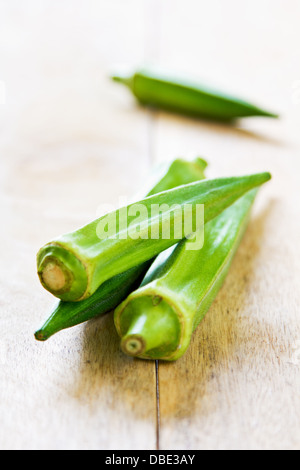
53, 277
133, 345
148, 326
61, 273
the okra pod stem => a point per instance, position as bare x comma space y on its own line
157, 320
75, 265
115, 290
160, 90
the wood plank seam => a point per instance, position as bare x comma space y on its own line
157, 407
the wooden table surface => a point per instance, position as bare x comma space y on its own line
70, 141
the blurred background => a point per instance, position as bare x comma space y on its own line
70, 140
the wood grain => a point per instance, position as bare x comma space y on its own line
72, 141
238, 385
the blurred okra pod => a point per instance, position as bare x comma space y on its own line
181, 95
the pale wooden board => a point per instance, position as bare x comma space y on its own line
238, 385
71, 141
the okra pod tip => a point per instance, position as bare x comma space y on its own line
125, 79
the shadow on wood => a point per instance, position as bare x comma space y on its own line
123, 383
189, 384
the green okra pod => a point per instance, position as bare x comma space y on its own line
157, 320
115, 290
75, 265
181, 95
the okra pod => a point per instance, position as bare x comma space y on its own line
75, 265
157, 320
160, 90
115, 290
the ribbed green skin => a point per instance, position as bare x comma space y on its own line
103, 259
181, 95
185, 282
68, 314
115, 290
